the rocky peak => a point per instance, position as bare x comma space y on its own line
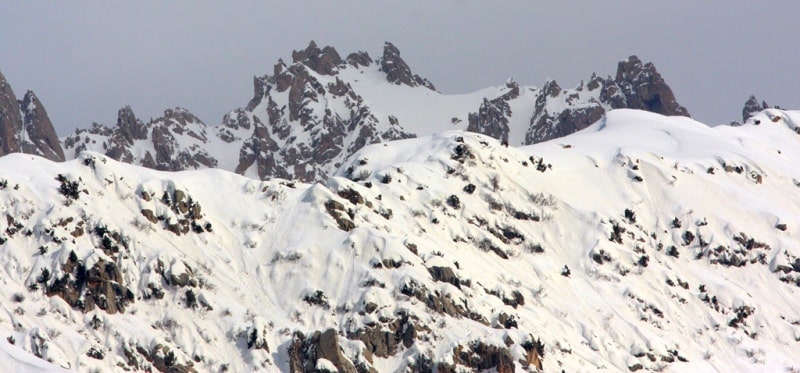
360, 58
25, 126
180, 116
39, 129
645, 89
551, 88
301, 134
10, 118
594, 82
751, 106
631, 69
130, 127
397, 71
637, 85
261, 86
322, 61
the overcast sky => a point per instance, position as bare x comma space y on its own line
85, 60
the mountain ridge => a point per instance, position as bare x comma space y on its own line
310, 114
643, 242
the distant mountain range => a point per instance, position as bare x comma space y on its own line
311, 114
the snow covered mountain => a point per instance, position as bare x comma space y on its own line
643, 242
307, 117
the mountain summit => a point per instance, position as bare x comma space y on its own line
308, 116
25, 126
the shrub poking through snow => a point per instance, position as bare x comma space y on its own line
630, 216
68, 188
688, 238
673, 251
317, 298
453, 201
469, 188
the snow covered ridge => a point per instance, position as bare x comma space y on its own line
641, 243
309, 115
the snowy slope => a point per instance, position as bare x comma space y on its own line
642, 242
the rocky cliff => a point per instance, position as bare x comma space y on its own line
25, 126
637, 85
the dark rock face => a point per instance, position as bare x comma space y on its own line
645, 89
10, 118
86, 288
493, 115
560, 112
41, 134
397, 71
359, 59
751, 106
322, 61
305, 351
481, 356
546, 125
25, 126
130, 127
384, 340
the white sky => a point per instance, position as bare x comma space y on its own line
85, 60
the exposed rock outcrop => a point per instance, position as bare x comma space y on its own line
397, 71
322, 61
493, 115
42, 138
305, 352
84, 288
553, 120
25, 126
645, 89
559, 112
751, 107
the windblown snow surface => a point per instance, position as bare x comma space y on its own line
643, 242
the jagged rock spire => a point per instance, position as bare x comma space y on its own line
322, 61
645, 89
751, 106
39, 129
10, 119
25, 126
397, 71
130, 127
